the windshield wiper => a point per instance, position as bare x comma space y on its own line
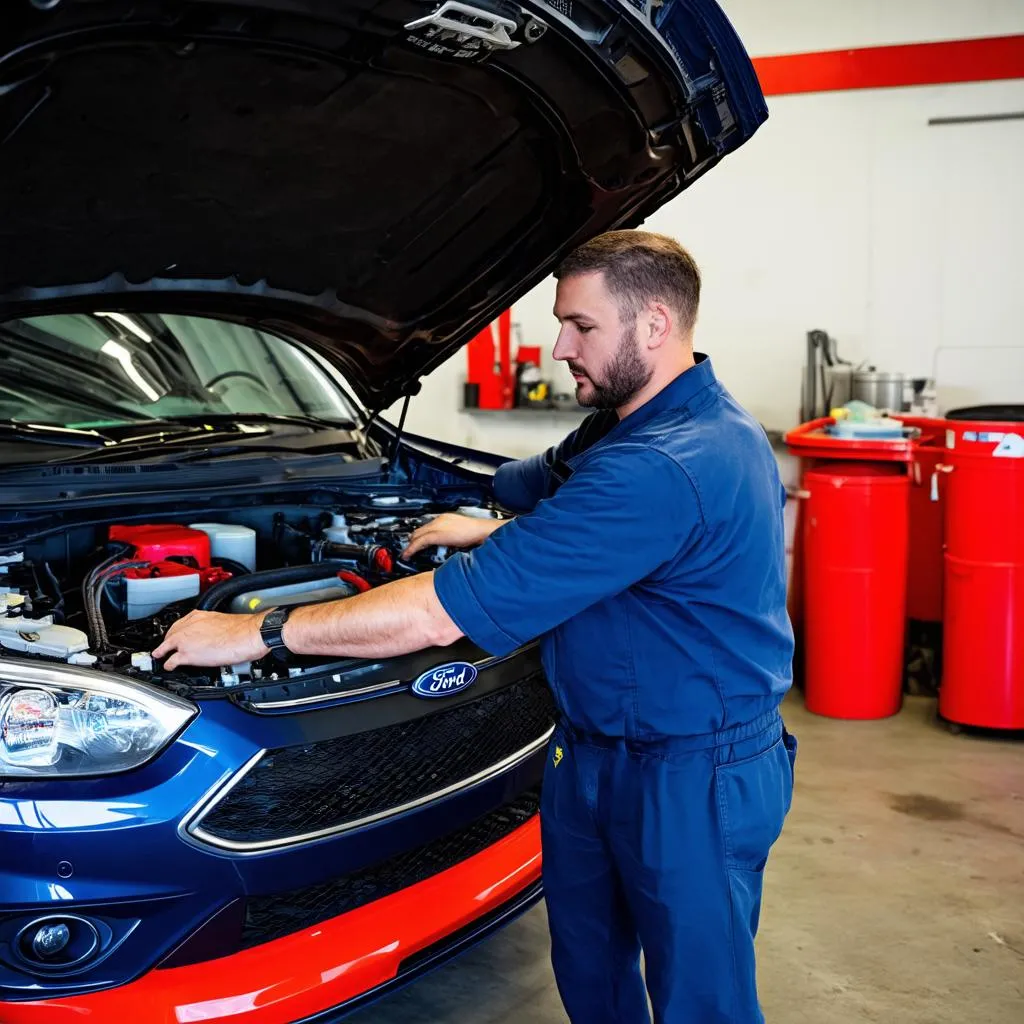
223, 450
151, 444
42, 433
316, 422
163, 437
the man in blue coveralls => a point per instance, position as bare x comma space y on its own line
648, 557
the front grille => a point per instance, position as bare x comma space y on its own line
270, 917
295, 792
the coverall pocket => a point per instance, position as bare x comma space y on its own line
754, 796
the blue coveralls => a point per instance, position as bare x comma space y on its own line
649, 559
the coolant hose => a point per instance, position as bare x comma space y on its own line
375, 557
221, 593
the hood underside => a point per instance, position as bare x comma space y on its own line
377, 177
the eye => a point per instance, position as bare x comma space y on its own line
583, 329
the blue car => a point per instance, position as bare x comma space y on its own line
232, 234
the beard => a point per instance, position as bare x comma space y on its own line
623, 378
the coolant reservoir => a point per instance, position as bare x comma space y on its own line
237, 543
148, 595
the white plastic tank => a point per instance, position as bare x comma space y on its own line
229, 541
147, 596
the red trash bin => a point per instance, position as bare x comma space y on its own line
856, 532
983, 649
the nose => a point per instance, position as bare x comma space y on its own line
565, 347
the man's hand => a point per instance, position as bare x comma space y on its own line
452, 530
213, 639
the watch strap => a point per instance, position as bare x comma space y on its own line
272, 629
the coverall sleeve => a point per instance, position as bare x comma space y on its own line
623, 514
520, 484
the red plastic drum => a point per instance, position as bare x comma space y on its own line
855, 585
983, 648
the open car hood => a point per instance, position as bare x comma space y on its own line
379, 178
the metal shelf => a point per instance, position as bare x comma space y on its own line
775, 437
526, 413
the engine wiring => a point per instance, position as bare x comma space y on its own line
88, 585
94, 601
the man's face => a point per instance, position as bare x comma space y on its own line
603, 352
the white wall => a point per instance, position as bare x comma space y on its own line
851, 214
846, 212
799, 26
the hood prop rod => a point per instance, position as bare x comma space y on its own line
393, 461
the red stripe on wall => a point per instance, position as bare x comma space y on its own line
881, 67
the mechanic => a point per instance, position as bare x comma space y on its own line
648, 557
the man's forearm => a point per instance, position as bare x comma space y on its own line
398, 618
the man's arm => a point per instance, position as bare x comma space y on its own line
397, 618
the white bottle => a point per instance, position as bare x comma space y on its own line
237, 543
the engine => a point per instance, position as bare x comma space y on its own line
111, 606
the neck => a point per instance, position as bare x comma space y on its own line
663, 375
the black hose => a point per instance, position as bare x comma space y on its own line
39, 592
366, 556
221, 593
58, 608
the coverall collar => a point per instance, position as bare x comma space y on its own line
675, 395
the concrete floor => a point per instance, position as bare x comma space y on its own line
896, 893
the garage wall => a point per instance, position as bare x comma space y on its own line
848, 212
800, 26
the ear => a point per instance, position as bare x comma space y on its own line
656, 325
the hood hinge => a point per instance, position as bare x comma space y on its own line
473, 26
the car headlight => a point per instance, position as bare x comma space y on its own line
59, 722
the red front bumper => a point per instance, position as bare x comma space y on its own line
315, 969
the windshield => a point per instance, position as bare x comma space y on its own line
101, 369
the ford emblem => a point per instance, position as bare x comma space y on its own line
445, 680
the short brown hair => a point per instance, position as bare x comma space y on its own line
640, 267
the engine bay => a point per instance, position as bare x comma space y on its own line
103, 595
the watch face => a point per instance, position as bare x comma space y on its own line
271, 628
276, 617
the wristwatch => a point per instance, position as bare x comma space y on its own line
272, 630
